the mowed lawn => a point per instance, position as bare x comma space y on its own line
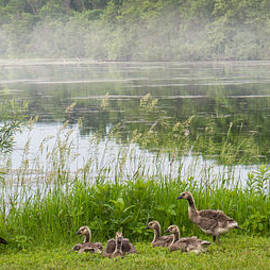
235, 252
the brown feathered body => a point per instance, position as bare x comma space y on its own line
186, 244
112, 247
87, 245
213, 222
159, 240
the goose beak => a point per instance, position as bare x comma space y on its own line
78, 232
179, 198
166, 231
147, 227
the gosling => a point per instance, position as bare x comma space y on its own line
114, 248
159, 241
187, 244
87, 246
213, 222
118, 247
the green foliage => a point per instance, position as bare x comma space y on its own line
12, 116
259, 180
23, 242
139, 30
7, 132
52, 10
128, 206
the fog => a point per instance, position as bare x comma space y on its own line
166, 38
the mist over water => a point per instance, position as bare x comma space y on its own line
161, 37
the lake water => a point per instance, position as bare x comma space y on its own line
229, 103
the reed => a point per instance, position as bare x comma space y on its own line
45, 201
55, 215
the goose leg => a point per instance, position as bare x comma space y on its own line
218, 241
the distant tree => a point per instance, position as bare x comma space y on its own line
36, 5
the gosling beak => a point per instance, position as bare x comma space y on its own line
78, 232
167, 231
147, 227
179, 198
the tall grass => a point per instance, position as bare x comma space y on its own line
127, 205
45, 201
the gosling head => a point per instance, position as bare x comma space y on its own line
77, 247
83, 230
154, 225
172, 229
185, 195
119, 237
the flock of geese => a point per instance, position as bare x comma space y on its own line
213, 222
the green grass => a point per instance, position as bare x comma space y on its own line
235, 252
127, 206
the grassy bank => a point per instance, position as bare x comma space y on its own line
128, 206
235, 253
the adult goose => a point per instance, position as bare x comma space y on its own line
87, 246
213, 222
126, 246
187, 244
159, 241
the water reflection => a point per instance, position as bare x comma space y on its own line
229, 102
38, 147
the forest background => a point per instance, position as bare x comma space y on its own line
143, 30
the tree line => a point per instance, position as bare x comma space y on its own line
151, 30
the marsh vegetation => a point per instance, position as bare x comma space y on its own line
114, 145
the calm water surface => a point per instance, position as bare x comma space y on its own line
108, 94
